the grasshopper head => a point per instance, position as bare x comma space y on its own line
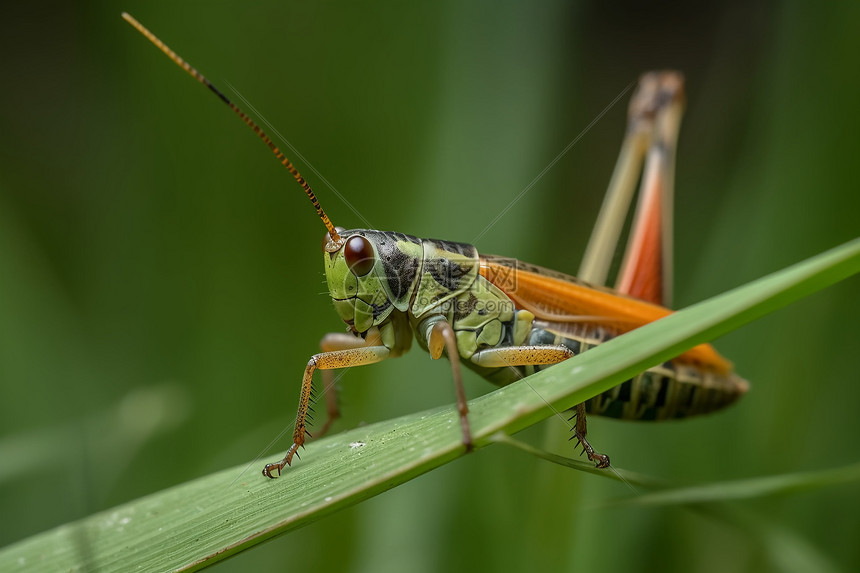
357, 280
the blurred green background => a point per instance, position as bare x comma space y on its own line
161, 285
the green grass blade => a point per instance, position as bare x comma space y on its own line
203, 521
747, 488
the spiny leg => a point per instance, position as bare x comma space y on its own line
541, 355
330, 343
323, 361
580, 429
442, 337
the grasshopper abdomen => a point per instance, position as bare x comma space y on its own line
674, 389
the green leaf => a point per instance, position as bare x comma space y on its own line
747, 488
203, 521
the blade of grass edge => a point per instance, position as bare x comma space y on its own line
203, 521
782, 484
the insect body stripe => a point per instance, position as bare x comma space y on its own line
671, 390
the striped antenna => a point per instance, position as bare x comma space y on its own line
336, 239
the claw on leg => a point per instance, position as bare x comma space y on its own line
579, 429
601, 461
267, 471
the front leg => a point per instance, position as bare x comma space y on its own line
339, 341
323, 361
442, 337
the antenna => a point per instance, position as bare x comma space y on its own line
336, 240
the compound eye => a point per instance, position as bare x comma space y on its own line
359, 255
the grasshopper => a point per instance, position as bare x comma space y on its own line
506, 319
